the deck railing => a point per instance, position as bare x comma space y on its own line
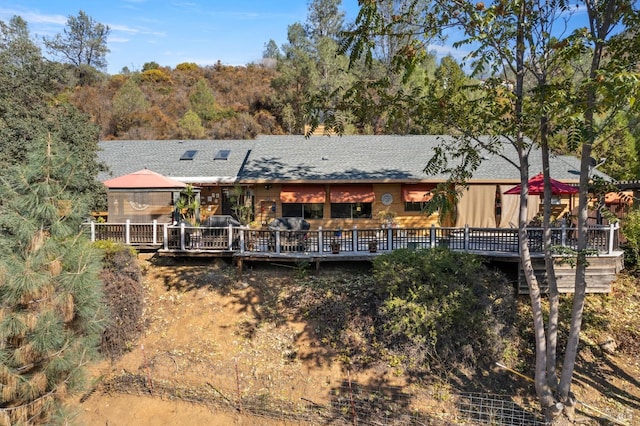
601, 239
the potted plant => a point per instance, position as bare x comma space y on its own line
373, 246
387, 217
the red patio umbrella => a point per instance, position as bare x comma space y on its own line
536, 187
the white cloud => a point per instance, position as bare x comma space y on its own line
123, 28
443, 50
184, 4
131, 30
118, 40
34, 17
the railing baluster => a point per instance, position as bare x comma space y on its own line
432, 236
354, 243
465, 240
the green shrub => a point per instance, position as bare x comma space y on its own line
444, 306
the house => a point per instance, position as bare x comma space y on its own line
347, 181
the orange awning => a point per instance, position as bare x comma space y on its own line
352, 194
622, 197
418, 193
302, 194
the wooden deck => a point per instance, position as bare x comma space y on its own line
355, 245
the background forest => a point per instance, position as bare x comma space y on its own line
285, 91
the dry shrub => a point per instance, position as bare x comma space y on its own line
124, 296
615, 315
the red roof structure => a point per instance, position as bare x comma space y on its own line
143, 179
536, 187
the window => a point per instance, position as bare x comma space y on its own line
351, 210
304, 210
414, 206
222, 154
188, 155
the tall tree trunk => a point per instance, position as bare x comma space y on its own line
600, 20
554, 297
545, 396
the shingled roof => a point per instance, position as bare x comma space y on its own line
164, 157
317, 159
379, 159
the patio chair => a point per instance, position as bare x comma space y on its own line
293, 233
217, 238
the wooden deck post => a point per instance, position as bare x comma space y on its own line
154, 227
93, 231
239, 271
320, 242
127, 232
165, 236
611, 231
242, 238
182, 234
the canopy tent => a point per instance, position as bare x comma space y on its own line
143, 179
142, 196
536, 187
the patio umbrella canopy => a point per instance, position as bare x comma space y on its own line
536, 187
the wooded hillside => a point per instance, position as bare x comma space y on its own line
191, 102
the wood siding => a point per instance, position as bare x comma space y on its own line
267, 196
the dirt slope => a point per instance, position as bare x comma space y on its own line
216, 350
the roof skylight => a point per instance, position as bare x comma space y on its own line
188, 155
222, 154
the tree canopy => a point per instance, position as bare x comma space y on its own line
82, 42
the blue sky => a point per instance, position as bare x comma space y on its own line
170, 32
173, 31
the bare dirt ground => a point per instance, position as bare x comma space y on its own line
221, 352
